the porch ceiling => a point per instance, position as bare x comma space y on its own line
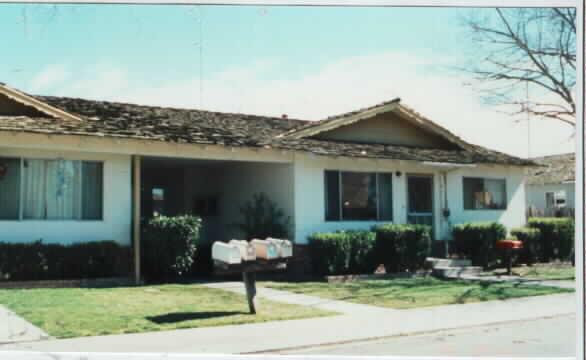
168, 162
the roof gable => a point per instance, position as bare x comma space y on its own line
412, 123
17, 103
389, 129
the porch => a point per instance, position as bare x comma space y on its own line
214, 190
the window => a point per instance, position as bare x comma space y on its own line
358, 196
555, 199
9, 188
560, 198
158, 201
484, 194
50, 189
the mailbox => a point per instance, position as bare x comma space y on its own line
266, 250
284, 247
227, 253
247, 251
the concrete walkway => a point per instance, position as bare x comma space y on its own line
343, 307
363, 324
13, 328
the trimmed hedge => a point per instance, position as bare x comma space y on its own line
532, 248
402, 247
342, 252
477, 241
38, 261
169, 246
557, 237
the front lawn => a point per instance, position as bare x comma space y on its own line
546, 272
67, 313
415, 292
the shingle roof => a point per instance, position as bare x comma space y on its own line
113, 119
557, 169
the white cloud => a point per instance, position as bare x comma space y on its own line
345, 85
50, 77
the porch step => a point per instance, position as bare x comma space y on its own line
438, 262
455, 272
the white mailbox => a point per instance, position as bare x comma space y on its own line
284, 247
229, 254
266, 250
247, 251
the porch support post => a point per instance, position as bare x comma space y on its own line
136, 216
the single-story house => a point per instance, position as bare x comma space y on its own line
74, 170
551, 187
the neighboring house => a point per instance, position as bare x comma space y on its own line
551, 188
82, 170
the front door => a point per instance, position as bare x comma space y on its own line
420, 200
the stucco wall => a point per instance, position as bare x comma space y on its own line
310, 198
117, 205
240, 181
310, 203
536, 194
513, 216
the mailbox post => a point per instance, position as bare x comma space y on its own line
509, 246
239, 256
249, 279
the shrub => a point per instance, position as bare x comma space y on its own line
532, 249
557, 237
402, 247
362, 252
477, 241
38, 261
203, 264
261, 218
169, 245
342, 252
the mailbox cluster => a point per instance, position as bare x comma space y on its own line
239, 251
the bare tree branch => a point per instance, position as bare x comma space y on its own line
535, 46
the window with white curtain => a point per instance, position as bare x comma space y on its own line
41, 189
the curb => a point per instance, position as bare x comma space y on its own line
377, 338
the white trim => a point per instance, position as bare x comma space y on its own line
451, 165
37, 104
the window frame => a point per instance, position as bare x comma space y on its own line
21, 218
483, 178
340, 191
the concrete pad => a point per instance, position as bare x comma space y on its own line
14, 328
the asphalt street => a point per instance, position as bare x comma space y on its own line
546, 337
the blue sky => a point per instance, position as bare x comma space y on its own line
165, 40
308, 62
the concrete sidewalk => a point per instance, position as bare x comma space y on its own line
13, 328
271, 336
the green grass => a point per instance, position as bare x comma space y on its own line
65, 313
546, 272
414, 293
